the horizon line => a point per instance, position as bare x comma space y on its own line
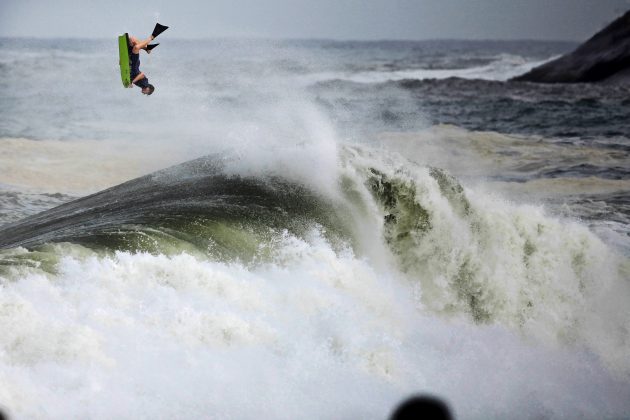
261, 38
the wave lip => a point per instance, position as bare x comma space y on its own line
174, 206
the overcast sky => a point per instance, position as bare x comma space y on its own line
338, 19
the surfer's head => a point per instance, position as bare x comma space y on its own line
133, 40
148, 89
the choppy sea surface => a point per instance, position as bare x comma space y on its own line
311, 229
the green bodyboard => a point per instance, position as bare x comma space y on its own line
123, 50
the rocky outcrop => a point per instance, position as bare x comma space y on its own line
604, 57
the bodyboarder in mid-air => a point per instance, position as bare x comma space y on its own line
135, 45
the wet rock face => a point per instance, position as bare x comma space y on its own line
604, 57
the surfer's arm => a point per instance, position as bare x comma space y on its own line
142, 44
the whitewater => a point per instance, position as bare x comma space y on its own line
255, 251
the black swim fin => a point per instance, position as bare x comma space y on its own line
158, 29
151, 46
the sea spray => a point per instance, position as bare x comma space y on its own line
499, 262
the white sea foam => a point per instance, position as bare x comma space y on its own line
315, 334
80, 167
504, 67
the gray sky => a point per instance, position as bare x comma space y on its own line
339, 19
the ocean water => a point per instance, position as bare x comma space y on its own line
310, 229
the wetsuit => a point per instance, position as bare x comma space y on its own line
135, 70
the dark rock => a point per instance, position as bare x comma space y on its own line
606, 56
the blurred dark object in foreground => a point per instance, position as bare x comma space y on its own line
422, 407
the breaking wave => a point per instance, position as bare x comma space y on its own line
465, 253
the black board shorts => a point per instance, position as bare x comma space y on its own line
142, 83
